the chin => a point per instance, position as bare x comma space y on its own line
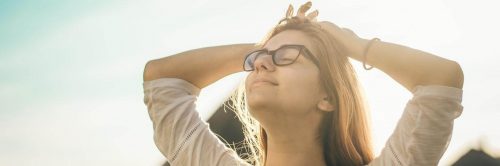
257, 102
264, 111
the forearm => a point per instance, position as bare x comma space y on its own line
200, 67
411, 67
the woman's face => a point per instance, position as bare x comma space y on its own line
292, 90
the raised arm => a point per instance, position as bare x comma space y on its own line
409, 67
425, 128
171, 86
200, 67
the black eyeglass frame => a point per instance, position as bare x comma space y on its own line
302, 49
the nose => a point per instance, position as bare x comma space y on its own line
264, 62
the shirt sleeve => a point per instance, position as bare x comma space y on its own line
424, 131
179, 132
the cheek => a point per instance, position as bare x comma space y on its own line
302, 90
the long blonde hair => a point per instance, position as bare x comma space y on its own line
346, 132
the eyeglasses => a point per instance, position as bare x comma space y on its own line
283, 56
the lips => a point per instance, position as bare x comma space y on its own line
264, 81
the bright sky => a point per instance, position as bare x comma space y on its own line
71, 86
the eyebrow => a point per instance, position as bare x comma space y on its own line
282, 46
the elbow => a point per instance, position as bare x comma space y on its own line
149, 71
453, 76
458, 76
450, 75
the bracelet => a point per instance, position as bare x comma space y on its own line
366, 51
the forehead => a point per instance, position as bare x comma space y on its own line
288, 37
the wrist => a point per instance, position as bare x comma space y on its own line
359, 46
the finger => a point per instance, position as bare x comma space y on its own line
289, 11
312, 16
303, 9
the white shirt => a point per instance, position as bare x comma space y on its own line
421, 136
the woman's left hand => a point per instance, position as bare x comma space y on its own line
353, 43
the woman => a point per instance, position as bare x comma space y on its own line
301, 102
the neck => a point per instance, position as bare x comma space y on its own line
295, 143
